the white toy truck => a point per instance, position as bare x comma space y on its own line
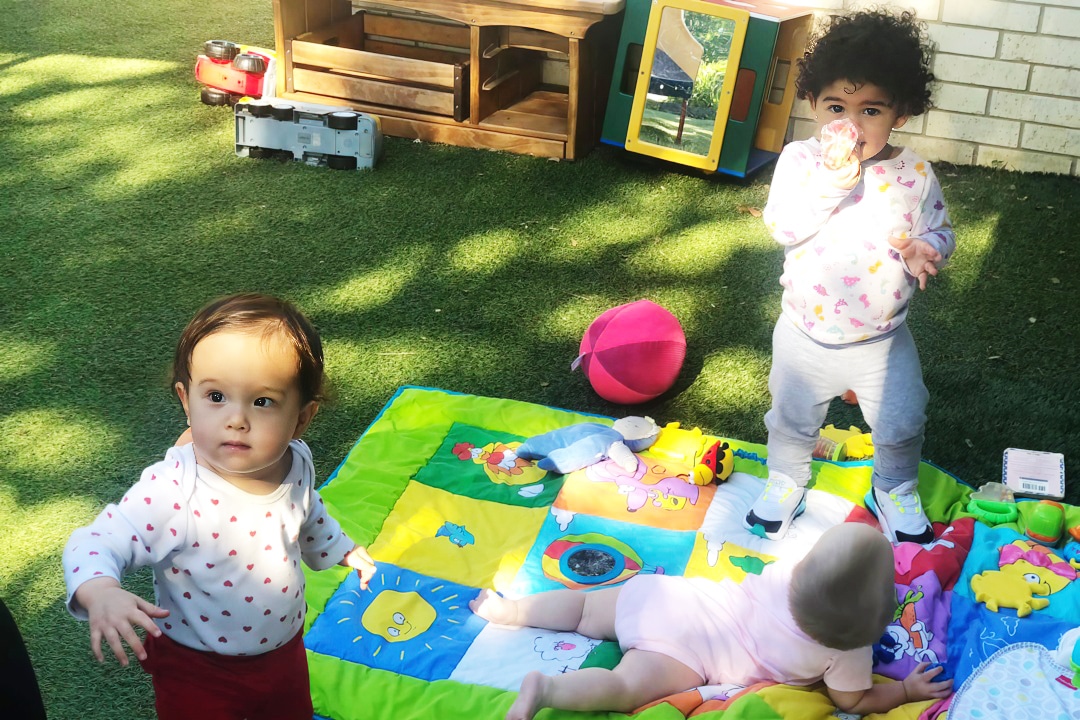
336, 137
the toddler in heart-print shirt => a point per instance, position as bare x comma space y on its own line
224, 521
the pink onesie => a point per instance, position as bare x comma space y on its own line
729, 632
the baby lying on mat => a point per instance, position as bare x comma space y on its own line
794, 623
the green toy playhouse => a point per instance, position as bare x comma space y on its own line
706, 83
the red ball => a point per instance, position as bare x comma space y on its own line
632, 353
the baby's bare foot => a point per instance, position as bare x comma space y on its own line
530, 697
494, 608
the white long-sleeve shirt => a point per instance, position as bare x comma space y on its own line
843, 282
226, 562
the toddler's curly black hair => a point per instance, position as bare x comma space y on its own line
873, 46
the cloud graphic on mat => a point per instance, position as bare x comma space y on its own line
563, 517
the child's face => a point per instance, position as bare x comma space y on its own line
866, 105
243, 404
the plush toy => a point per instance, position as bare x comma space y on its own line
677, 444
716, 464
576, 446
691, 448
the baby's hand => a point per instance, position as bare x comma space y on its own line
920, 684
359, 560
113, 613
839, 140
920, 257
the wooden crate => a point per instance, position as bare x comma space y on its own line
339, 61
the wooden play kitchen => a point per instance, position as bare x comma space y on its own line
467, 73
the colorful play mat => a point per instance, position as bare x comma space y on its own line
435, 490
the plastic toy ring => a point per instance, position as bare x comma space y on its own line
993, 513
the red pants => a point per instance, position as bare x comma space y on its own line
207, 686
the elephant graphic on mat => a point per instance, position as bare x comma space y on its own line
668, 492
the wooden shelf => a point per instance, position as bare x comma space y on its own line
541, 114
466, 72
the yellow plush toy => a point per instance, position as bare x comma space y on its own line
709, 461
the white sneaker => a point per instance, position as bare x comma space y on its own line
780, 502
900, 513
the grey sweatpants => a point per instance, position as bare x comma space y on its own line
886, 376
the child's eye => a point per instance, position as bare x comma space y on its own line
835, 109
215, 396
871, 112
264, 402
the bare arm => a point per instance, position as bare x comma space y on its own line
883, 697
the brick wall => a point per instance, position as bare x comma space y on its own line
1008, 92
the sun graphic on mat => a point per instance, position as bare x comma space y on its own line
398, 616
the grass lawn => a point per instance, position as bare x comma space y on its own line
123, 209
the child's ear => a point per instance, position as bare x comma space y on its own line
899, 122
812, 99
181, 392
307, 414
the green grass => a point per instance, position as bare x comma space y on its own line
123, 209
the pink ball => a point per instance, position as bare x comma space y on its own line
632, 353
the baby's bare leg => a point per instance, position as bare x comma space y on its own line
591, 614
639, 678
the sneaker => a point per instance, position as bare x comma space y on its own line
901, 514
780, 502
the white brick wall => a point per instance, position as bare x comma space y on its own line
1008, 91
961, 98
1002, 14
961, 40
1057, 21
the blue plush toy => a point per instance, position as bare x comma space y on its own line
576, 446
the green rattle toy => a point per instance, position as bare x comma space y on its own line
1046, 522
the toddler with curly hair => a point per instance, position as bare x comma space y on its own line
863, 223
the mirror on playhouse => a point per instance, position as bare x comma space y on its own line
705, 83
686, 82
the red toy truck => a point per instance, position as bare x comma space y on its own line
229, 71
